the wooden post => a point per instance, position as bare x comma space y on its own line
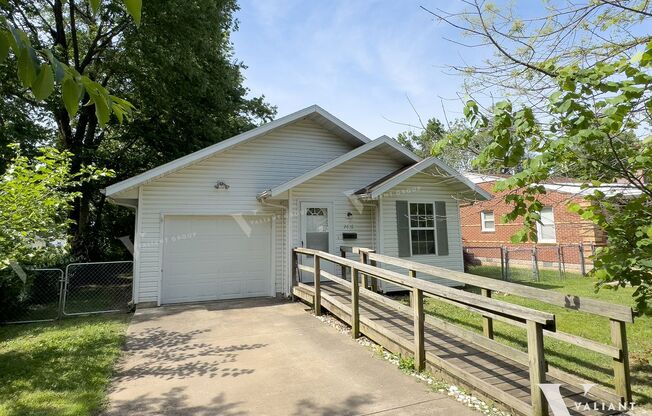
582, 264
419, 341
355, 305
535, 264
317, 265
622, 381
363, 260
487, 323
343, 268
413, 274
537, 366
374, 281
295, 268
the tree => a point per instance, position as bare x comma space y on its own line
459, 150
590, 115
35, 200
177, 69
577, 78
531, 46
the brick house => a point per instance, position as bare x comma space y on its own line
561, 234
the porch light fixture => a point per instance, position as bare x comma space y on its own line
221, 185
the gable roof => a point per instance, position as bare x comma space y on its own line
314, 113
407, 157
377, 188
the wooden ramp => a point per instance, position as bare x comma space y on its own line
492, 371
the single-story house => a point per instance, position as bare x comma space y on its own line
220, 223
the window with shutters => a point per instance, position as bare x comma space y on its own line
422, 228
488, 221
546, 226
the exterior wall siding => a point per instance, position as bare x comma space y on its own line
249, 168
422, 188
335, 186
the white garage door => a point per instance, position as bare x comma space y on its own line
216, 257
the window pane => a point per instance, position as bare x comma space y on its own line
413, 209
490, 225
547, 232
431, 247
489, 215
547, 216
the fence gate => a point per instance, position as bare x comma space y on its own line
34, 297
98, 287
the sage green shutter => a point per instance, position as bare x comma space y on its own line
403, 228
442, 228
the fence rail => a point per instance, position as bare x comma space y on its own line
82, 289
538, 324
559, 257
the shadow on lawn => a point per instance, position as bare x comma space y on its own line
176, 355
174, 402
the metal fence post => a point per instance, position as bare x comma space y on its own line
535, 264
582, 264
502, 263
507, 274
559, 260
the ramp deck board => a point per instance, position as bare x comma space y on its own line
489, 375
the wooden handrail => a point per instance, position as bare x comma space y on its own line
617, 314
596, 307
535, 321
459, 296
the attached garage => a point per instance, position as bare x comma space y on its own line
216, 257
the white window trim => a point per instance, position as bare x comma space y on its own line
539, 229
433, 228
483, 219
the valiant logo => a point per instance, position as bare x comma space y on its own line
559, 407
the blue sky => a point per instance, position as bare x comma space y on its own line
359, 60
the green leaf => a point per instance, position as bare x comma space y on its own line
102, 109
4, 46
134, 7
59, 68
26, 68
71, 95
44, 83
95, 5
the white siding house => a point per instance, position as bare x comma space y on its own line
219, 223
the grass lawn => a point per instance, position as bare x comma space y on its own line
59, 368
592, 366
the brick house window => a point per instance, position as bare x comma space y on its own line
422, 228
546, 226
488, 221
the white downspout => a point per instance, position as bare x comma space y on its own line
264, 203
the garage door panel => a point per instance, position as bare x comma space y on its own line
208, 258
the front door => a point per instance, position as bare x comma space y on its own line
316, 233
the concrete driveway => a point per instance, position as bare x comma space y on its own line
258, 357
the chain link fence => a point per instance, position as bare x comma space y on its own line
40, 295
99, 287
34, 296
532, 262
